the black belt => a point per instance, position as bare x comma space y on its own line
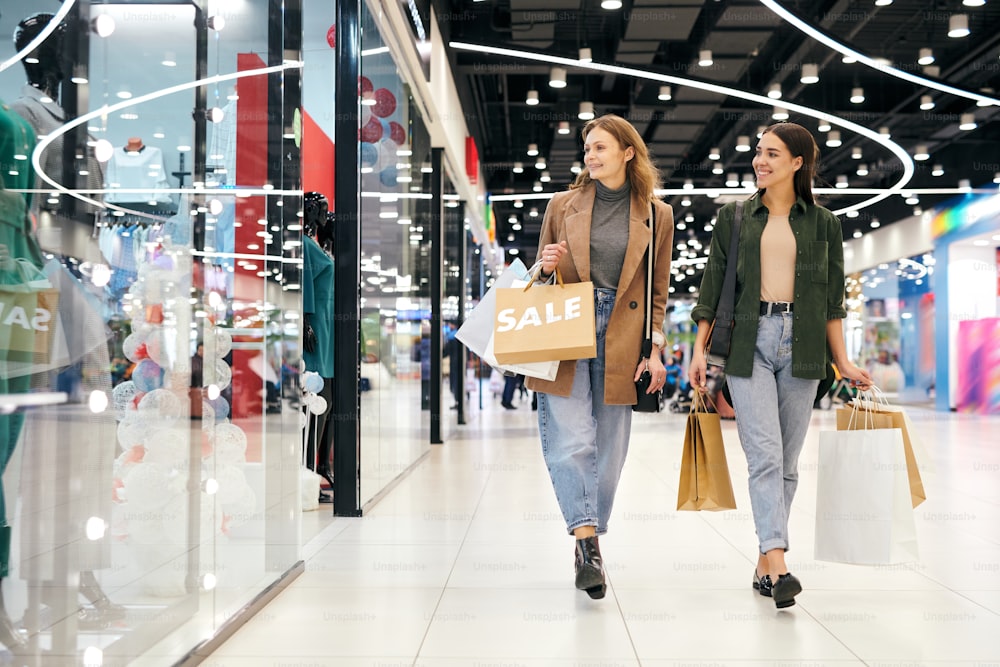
775, 307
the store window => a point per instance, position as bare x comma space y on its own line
152, 454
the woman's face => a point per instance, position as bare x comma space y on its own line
604, 158
773, 164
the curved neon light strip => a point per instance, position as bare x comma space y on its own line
891, 146
717, 192
36, 157
844, 49
42, 36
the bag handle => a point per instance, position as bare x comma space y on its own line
647, 342
537, 273
722, 327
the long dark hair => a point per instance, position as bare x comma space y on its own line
800, 143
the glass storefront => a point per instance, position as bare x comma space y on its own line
152, 444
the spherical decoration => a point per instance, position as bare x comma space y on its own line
163, 404
397, 133
389, 177
207, 412
369, 155
147, 375
230, 444
144, 487
331, 36
316, 404
223, 374
220, 408
364, 85
122, 397
131, 430
303, 420
366, 115
168, 447
311, 381
156, 347
134, 347
385, 103
371, 131
223, 342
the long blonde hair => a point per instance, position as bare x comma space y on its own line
640, 170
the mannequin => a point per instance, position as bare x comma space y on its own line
138, 166
134, 145
317, 339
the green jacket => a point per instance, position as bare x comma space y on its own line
819, 284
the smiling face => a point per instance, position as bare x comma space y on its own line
605, 159
773, 164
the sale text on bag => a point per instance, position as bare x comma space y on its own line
18, 316
531, 317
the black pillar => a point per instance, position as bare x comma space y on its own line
437, 256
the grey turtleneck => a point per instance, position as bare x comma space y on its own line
609, 234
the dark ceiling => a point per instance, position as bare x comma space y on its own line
752, 49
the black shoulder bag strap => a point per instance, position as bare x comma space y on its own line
722, 328
647, 342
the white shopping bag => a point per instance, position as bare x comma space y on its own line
545, 370
863, 511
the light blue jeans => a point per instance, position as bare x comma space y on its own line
584, 441
773, 409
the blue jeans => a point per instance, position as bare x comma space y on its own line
773, 409
584, 441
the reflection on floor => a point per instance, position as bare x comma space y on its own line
466, 562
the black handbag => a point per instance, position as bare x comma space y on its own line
720, 335
648, 402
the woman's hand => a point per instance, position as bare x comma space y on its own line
552, 254
656, 370
859, 377
698, 371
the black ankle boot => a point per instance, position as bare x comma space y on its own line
590, 568
105, 608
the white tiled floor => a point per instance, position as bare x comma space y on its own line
466, 563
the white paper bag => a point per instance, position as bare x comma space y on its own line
863, 511
477, 330
545, 370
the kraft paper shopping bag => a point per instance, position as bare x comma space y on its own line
705, 483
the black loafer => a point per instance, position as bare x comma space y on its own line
762, 584
785, 589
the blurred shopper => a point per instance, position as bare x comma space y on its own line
789, 306
598, 230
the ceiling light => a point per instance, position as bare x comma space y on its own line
983, 103
714, 154
917, 211
518, 203
857, 234
586, 111
743, 144
965, 184
833, 139
884, 132
968, 122
760, 130
532, 98
732, 180
534, 212
532, 150
937, 170
705, 58
932, 70
540, 163
537, 187
862, 169
611, 4
958, 25
920, 153
124, 93
563, 127
577, 167
824, 126
852, 214
586, 55
856, 153
883, 3
912, 199
926, 103
685, 202
664, 93
557, 77
774, 92
996, 177
841, 181
688, 184
545, 177
875, 224
780, 114
810, 73
973, 3
103, 25
926, 57
848, 60
717, 169
747, 181
518, 168
427, 168
857, 95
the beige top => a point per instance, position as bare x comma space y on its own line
777, 260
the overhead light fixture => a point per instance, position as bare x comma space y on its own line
824, 126
217, 22
545, 177
688, 184
912, 199
685, 202
732, 180
586, 111
743, 144
557, 77
577, 167
857, 95
856, 153
965, 185
518, 203
917, 211
717, 169
705, 58
79, 75
857, 234
968, 122
540, 163
537, 186
841, 181
532, 150
833, 139
532, 98
883, 3
747, 180
779, 114
563, 127
926, 103
665, 94
518, 168
852, 214
862, 169
714, 154
848, 60
884, 132
534, 212
124, 93
984, 103
937, 170
920, 152
760, 131
875, 224
926, 56
103, 25
810, 73
973, 3
933, 70
586, 55
996, 177
611, 4
958, 25
774, 92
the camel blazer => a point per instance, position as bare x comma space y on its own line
568, 217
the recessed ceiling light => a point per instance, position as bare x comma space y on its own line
810, 73
958, 25
926, 57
